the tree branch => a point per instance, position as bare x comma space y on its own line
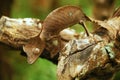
93, 56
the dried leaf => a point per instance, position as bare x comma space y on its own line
116, 13
82, 57
58, 20
108, 27
62, 18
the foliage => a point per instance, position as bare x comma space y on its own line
42, 69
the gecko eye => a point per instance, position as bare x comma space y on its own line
35, 50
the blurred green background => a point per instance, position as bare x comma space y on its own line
13, 66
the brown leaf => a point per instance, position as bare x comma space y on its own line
116, 13
62, 18
58, 20
33, 49
108, 28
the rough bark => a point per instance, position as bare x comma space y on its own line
85, 56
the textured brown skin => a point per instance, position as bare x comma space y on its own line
55, 22
60, 19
